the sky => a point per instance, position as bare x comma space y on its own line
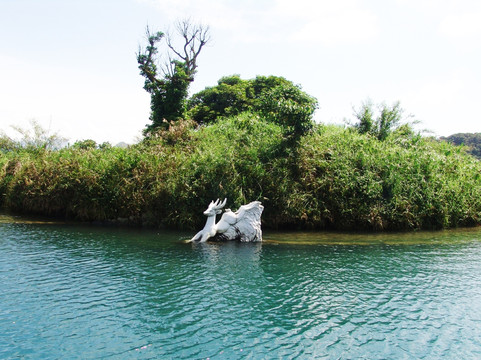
71, 65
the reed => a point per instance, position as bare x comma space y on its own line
335, 179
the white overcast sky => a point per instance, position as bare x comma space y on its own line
71, 64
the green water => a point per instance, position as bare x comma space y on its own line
79, 292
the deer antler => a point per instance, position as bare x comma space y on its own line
219, 205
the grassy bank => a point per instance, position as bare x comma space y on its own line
336, 178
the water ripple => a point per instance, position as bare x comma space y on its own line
87, 293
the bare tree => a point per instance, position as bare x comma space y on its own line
170, 90
195, 38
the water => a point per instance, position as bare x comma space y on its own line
77, 292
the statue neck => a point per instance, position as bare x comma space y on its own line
210, 223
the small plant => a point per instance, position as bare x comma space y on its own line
380, 123
7, 144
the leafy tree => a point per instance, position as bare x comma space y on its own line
85, 144
90, 144
169, 91
275, 98
290, 107
105, 145
231, 96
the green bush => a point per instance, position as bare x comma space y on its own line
275, 98
387, 120
341, 179
353, 181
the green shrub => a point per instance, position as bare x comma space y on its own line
353, 181
341, 179
274, 98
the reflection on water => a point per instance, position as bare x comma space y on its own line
449, 237
70, 291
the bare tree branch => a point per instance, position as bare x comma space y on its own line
169, 91
195, 38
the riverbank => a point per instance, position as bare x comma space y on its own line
334, 178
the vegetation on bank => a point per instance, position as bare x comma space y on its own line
244, 140
337, 178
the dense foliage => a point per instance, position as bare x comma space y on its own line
341, 179
245, 140
274, 98
471, 140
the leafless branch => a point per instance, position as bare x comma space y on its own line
195, 38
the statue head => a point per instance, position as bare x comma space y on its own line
215, 208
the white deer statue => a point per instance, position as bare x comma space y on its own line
243, 225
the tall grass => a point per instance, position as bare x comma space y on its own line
353, 181
336, 178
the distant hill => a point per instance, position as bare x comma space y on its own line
471, 140
122, 145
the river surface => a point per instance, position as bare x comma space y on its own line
81, 292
